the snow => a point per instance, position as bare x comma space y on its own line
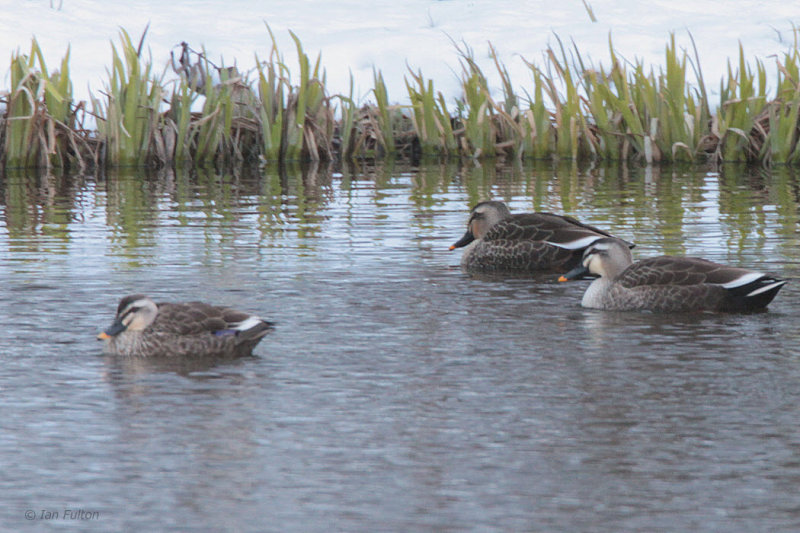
355, 36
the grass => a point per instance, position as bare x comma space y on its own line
39, 126
129, 116
743, 95
476, 111
432, 121
296, 120
780, 143
569, 110
271, 91
656, 116
386, 119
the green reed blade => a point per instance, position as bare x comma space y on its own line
386, 119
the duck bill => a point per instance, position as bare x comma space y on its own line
463, 241
579, 272
113, 330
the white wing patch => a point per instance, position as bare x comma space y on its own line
744, 279
576, 244
250, 322
765, 288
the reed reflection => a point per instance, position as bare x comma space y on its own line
786, 194
725, 215
132, 210
39, 208
292, 200
665, 210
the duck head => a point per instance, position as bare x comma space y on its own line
603, 258
134, 313
483, 216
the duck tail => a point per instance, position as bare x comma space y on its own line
253, 328
758, 293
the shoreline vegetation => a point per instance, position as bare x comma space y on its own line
572, 110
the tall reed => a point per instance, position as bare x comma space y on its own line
348, 141
654, 115
743, 95
570, 110
432, 121
39, 120
476, 110
568, 118
272, 87
536, 127
129, 116
178, 125
386, 120
780, 144
309, 117
296, 120
212, 132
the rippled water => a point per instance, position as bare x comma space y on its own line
397, 393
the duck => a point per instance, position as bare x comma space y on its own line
498, 241
668, 283
143, 328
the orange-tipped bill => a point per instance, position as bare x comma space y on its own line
112, 331
463, 241
579, 272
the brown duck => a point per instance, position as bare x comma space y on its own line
667, 283
143, 328
498, 241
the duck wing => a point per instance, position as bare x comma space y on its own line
690, 283
195, 318
188, 318
669, 270
562, 231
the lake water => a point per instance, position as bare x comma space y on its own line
397, 393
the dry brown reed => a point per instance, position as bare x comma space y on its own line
215, 115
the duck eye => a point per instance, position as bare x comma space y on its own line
131, 311
589, 255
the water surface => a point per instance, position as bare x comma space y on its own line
397, 393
